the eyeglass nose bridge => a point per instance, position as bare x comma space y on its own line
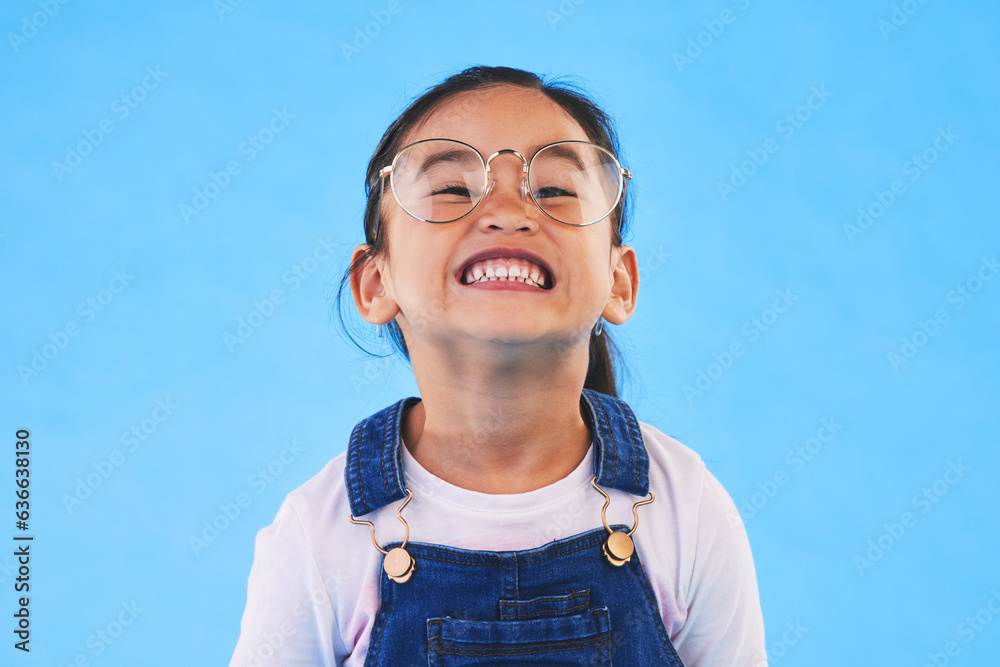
524, 173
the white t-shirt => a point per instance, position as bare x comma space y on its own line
313, 591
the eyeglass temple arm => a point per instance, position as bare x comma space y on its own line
627, 175
382, 173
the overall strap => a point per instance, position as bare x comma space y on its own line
621, 461
374, 471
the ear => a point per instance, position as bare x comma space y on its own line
624, 286
368, 287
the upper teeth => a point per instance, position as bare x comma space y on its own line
505, 269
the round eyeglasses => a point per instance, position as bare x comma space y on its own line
443, 180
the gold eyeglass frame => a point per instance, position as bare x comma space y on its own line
624, 175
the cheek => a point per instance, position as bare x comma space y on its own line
604, 259
419, 259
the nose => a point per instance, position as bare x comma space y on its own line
524, 188
523, 172
505, 210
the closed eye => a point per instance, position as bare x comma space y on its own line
455, 189
553, 191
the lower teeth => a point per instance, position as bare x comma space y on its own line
526, 282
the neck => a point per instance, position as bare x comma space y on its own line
511, 427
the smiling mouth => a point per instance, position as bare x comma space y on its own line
507, 271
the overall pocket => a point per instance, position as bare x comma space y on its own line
547, 633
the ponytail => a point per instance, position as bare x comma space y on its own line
601, 369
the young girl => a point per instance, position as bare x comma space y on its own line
516, 512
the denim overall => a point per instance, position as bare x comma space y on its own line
562, 603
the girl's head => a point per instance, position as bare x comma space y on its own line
591, 272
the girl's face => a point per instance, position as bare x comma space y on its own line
421, 284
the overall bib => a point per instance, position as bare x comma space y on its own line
563, 603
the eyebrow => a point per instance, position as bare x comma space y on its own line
453, 155
565, 152
458, 155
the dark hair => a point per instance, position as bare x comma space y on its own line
598, 127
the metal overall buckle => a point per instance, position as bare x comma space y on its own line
398, 563
618, 548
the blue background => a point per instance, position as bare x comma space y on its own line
830, 559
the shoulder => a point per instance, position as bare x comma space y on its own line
321, 501
669, 452
303, 552
696, 500
300, 531
304, 582
673, 465
699, 560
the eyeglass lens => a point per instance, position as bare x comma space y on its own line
441, 180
